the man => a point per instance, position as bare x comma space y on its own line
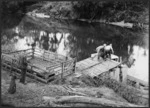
108, 50
100, 51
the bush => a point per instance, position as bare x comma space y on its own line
127, 92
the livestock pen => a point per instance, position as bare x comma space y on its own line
42, 65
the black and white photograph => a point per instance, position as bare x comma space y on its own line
74, 53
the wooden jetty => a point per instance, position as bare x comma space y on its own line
114, 68
94, 68
42, 65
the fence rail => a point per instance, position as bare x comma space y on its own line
58, 65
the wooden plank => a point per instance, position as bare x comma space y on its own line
99, 68
18, 51
87, 67
53, 67
37, 78
89, 60
86, 64
51, 78
57, 72
81, 67
51, 53
10, 66
44, 64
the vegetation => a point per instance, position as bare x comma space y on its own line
32, 92
130, 11
127, 92
13, 10
112, 11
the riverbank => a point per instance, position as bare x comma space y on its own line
120, 24
32, 93
107, 12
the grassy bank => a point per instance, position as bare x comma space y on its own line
31, 94
129, 93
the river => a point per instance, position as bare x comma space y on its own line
80, 39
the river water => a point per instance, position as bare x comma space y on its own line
80, 39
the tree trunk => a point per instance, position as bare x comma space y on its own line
88, 100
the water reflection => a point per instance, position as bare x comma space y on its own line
79, 40
140, 67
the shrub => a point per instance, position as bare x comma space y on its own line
127, 92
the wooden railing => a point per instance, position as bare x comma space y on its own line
59, 65
49, 56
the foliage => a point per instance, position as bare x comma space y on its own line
129, 11
12, 10
127, 92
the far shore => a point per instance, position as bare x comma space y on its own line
121, 23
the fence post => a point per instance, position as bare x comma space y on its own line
55, 55
23, 69
74, 66
11, 66
33, 49
43, 55
120, 74
62, 71
120, 59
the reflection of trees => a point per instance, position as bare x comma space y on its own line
53, 43
81, 47
84, 37
85, 40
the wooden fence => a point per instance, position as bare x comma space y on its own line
59, 65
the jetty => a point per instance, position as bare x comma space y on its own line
94, 67
46, 66
110, 67
113, 68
